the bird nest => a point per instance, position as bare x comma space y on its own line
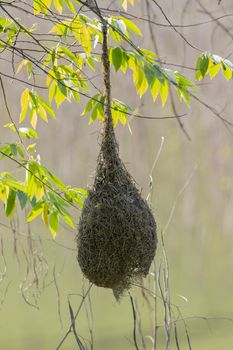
117, 231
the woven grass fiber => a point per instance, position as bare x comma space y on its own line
117, 231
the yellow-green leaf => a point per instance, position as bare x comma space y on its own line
53, 223
24, 105
68, 220
155, 88
36, 8
214, 69
227, 72
124, 4
21, 65
22, 199
45, 214
58, 6
59, 97
164, 91
46, 6
31, 148
143, 87
42, 112
52, 90
10, 203
33, 118
37, 210
116, 56
132, 26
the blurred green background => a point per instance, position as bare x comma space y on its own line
192, 180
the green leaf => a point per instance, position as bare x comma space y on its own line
60, 29
114, 34
52, 90
13, 184
5, 151
37, 210
29, 69
76, 96
22, 199
202, 66
68, 220
227, 72
33, 117
4, 22
13, 149
10, 126
184, 94
58, 5
164, 92
53, 223
97, 112
24, 105
62, 87
36, 7
10, 203
213, 69
33, 99
124, 4
58, 182
45, 213
28, 133
120, 26
149, 73
70, 6
45, 5
204, 63
90, 104
69, 54
217, 59
82, 33
22, 63
42, 113
20, 151
31, 148
47, 107
155, 88
59, 97
116, 58
132, 26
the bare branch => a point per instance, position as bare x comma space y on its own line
180, 34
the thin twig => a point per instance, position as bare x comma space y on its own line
140, 331
176, 200
70, 329
134, 323
9, 113
80, 344
176, 336
153, 168
174, 28
89, 316
58, 296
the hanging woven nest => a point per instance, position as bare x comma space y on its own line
117, 231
